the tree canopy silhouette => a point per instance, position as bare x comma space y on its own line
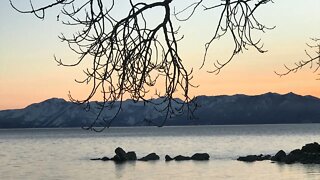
130, 55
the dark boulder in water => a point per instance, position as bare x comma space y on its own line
252, 158
131, 156
200, 156
121, 154
308, 154
168, 158
293, 156
150, 157
279, 157
117, 159
311, 148
182, 158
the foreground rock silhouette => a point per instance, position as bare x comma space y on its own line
200, 157
122, 156
150, 157
196, 157
308, 154
252, 158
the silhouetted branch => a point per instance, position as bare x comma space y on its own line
129, 56
238, 19
313, 60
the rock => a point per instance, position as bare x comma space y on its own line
168, 158
293, 156
249, 158
102, 159
279, 157
200, 156
311, 148
308, 154
117, 159
150, 157
105, 158
298, 155
181, 158
131, 156
266, 157
252, 158
308, 158
122, 155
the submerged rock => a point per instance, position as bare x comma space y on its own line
150, 157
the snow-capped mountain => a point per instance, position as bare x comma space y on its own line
267, 108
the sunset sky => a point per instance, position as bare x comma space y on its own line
29, 74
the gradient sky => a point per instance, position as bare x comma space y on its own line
29, 74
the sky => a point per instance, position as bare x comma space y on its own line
29, 74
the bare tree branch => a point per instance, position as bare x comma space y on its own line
313, 60
129, 56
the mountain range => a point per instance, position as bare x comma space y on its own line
269, 108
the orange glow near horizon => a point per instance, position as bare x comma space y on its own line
28, 73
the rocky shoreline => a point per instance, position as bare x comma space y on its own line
308, 154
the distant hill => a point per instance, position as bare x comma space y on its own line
269, 108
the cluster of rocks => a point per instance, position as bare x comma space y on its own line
122, 156
252, 158
196, 157
308, 154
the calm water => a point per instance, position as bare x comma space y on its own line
65, 153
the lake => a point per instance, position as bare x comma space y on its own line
65, 153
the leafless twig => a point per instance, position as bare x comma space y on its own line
313, 60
